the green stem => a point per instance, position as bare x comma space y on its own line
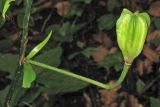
18, 73
82, 78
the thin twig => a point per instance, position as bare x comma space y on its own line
150, 85
45, 22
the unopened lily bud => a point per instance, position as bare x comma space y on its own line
131, 33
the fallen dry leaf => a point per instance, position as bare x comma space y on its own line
148, 66
113, 98
154, 9
158, 49
153, 35
103, 39
134, 102
87, 99
108, 98
63, 8
129, 100
140, 67
151, 54
144, 66
113, 50
100, 54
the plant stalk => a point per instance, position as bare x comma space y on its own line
82, 78
19, 69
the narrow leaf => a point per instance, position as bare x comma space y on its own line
6, 6
36, 49
29, 75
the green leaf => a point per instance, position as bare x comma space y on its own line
8, 63
80, 44
50, 57
36, 49
113, 60
64, 29
111, 4
65, 32
6, 6
76, 10
87, 52
5, 43
29, 75
56, 83
154, 102
140, 85
3, 94
157, 23
106, 22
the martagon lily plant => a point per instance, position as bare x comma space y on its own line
131, 31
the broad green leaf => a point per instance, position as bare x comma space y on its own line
55, 83
36, 49
64, 29
6, 6
8, 63
51, 57
106, 22
113, 60
76, 10
140, 85
29, 75
5, 43
154, 102
3, 94
65, 32
87, 52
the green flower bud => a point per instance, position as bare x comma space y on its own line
131, 33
